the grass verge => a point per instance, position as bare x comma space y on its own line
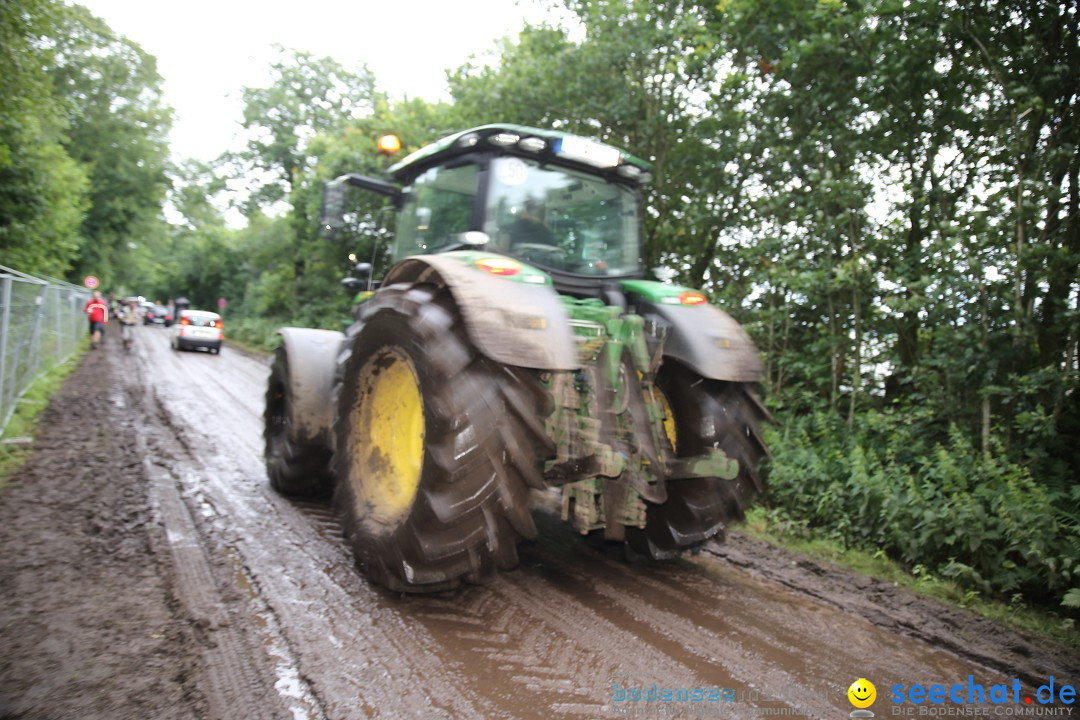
23, 423
255, 334
1043, 622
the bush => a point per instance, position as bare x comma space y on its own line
981, 520
257, 333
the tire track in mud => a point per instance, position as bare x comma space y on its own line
236, 663
541, 659
737, 634
897, 611
230, 384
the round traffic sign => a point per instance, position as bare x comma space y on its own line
91, 282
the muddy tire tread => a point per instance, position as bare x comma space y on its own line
479, 457
294, 469
710, 414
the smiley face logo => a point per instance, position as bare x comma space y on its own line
862, 693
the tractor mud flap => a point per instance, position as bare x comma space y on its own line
509, 322
312, 356
705, 339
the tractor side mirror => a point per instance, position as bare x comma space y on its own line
360, 279
332, 213
353, 285
362, 271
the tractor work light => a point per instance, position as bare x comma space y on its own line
468, 140
389, 144
502, 267
504, 139
532, 144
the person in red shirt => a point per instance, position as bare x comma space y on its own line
98, 312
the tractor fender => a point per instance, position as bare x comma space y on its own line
707, 340
509, 322
312, 361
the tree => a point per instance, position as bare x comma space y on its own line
306, 96
110, 93
353, 149
43, 191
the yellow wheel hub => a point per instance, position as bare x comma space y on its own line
387, 438
669, 420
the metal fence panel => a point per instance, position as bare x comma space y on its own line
41, 321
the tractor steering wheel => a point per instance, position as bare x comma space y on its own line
549, 255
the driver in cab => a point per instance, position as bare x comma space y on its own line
529, 227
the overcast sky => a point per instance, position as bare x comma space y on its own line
208, 49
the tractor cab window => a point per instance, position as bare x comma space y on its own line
438, 206
562, 219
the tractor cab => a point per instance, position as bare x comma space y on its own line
565, 204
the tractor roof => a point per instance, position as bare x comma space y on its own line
547, 145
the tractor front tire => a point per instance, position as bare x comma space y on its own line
295, 469
435, 446
703, 414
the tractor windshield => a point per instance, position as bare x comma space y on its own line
438, 207
562, 219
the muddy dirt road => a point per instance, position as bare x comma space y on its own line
148, 570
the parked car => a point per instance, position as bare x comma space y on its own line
198, 329
157, 315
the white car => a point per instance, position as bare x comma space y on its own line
198, 329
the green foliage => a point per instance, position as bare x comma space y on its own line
110, 92
314, 122
978, 519
43, 191
1072, 598
256, 333
905, 241
307, 96
23, 422
82, 145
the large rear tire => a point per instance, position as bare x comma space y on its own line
295, 469
703, 414
436, 446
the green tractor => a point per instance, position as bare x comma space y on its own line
515, 346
